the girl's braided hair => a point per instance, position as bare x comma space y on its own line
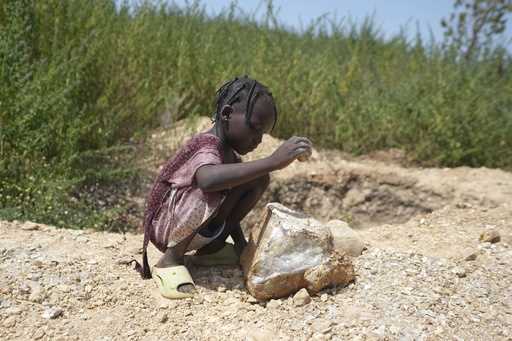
240, 90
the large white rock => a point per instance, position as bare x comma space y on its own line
288, 251
345, 239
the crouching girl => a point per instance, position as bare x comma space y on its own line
205, 190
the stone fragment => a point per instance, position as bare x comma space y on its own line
36, 292
490, 236
288, 251
52, 313
38, 334
9, 322
469, 254
345, 239
336, 270
25, 288
321, 326
460, 272
163, 317
13, 311
34, 276
273, 304
30, 226
320, 337
301, 298
260, 335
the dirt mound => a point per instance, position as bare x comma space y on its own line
364, 191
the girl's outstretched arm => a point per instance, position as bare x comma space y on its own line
212, 178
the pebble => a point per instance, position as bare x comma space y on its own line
24, 288
35, 276
30, 226
64, 288
259, 335
82, 239
490, 236
36, 292
9, 322
38, 263
319, 337
469, 254
321, 326
52, 313
38, 334
163, 317
273, 304
13, 311
460, 272
301, 298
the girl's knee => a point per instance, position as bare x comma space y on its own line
263, 181
260, 184
257, 185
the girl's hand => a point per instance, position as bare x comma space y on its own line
291, 150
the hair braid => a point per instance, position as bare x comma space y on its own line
238, 90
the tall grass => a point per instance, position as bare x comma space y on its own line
79, 79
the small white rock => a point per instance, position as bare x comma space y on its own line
301, 298
52, 313
13, 311
321, 326
273, 304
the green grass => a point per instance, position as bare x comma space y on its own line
79, 79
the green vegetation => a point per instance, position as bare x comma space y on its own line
81, 80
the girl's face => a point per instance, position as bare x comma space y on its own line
245, 136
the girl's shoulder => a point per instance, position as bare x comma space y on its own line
199, 141
203, 139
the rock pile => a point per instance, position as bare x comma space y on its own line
289, 251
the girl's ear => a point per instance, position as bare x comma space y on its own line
225, 112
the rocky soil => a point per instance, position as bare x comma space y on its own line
426, 273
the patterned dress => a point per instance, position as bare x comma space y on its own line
176, 207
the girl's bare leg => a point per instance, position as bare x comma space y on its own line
239, 202
175, 256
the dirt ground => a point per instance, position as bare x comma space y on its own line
414, 281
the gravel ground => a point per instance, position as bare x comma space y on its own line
58, 284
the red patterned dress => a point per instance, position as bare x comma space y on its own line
176, 207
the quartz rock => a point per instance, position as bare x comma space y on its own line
288, 251
345, 239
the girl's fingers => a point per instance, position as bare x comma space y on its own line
297, 139
304, 140
303, 144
